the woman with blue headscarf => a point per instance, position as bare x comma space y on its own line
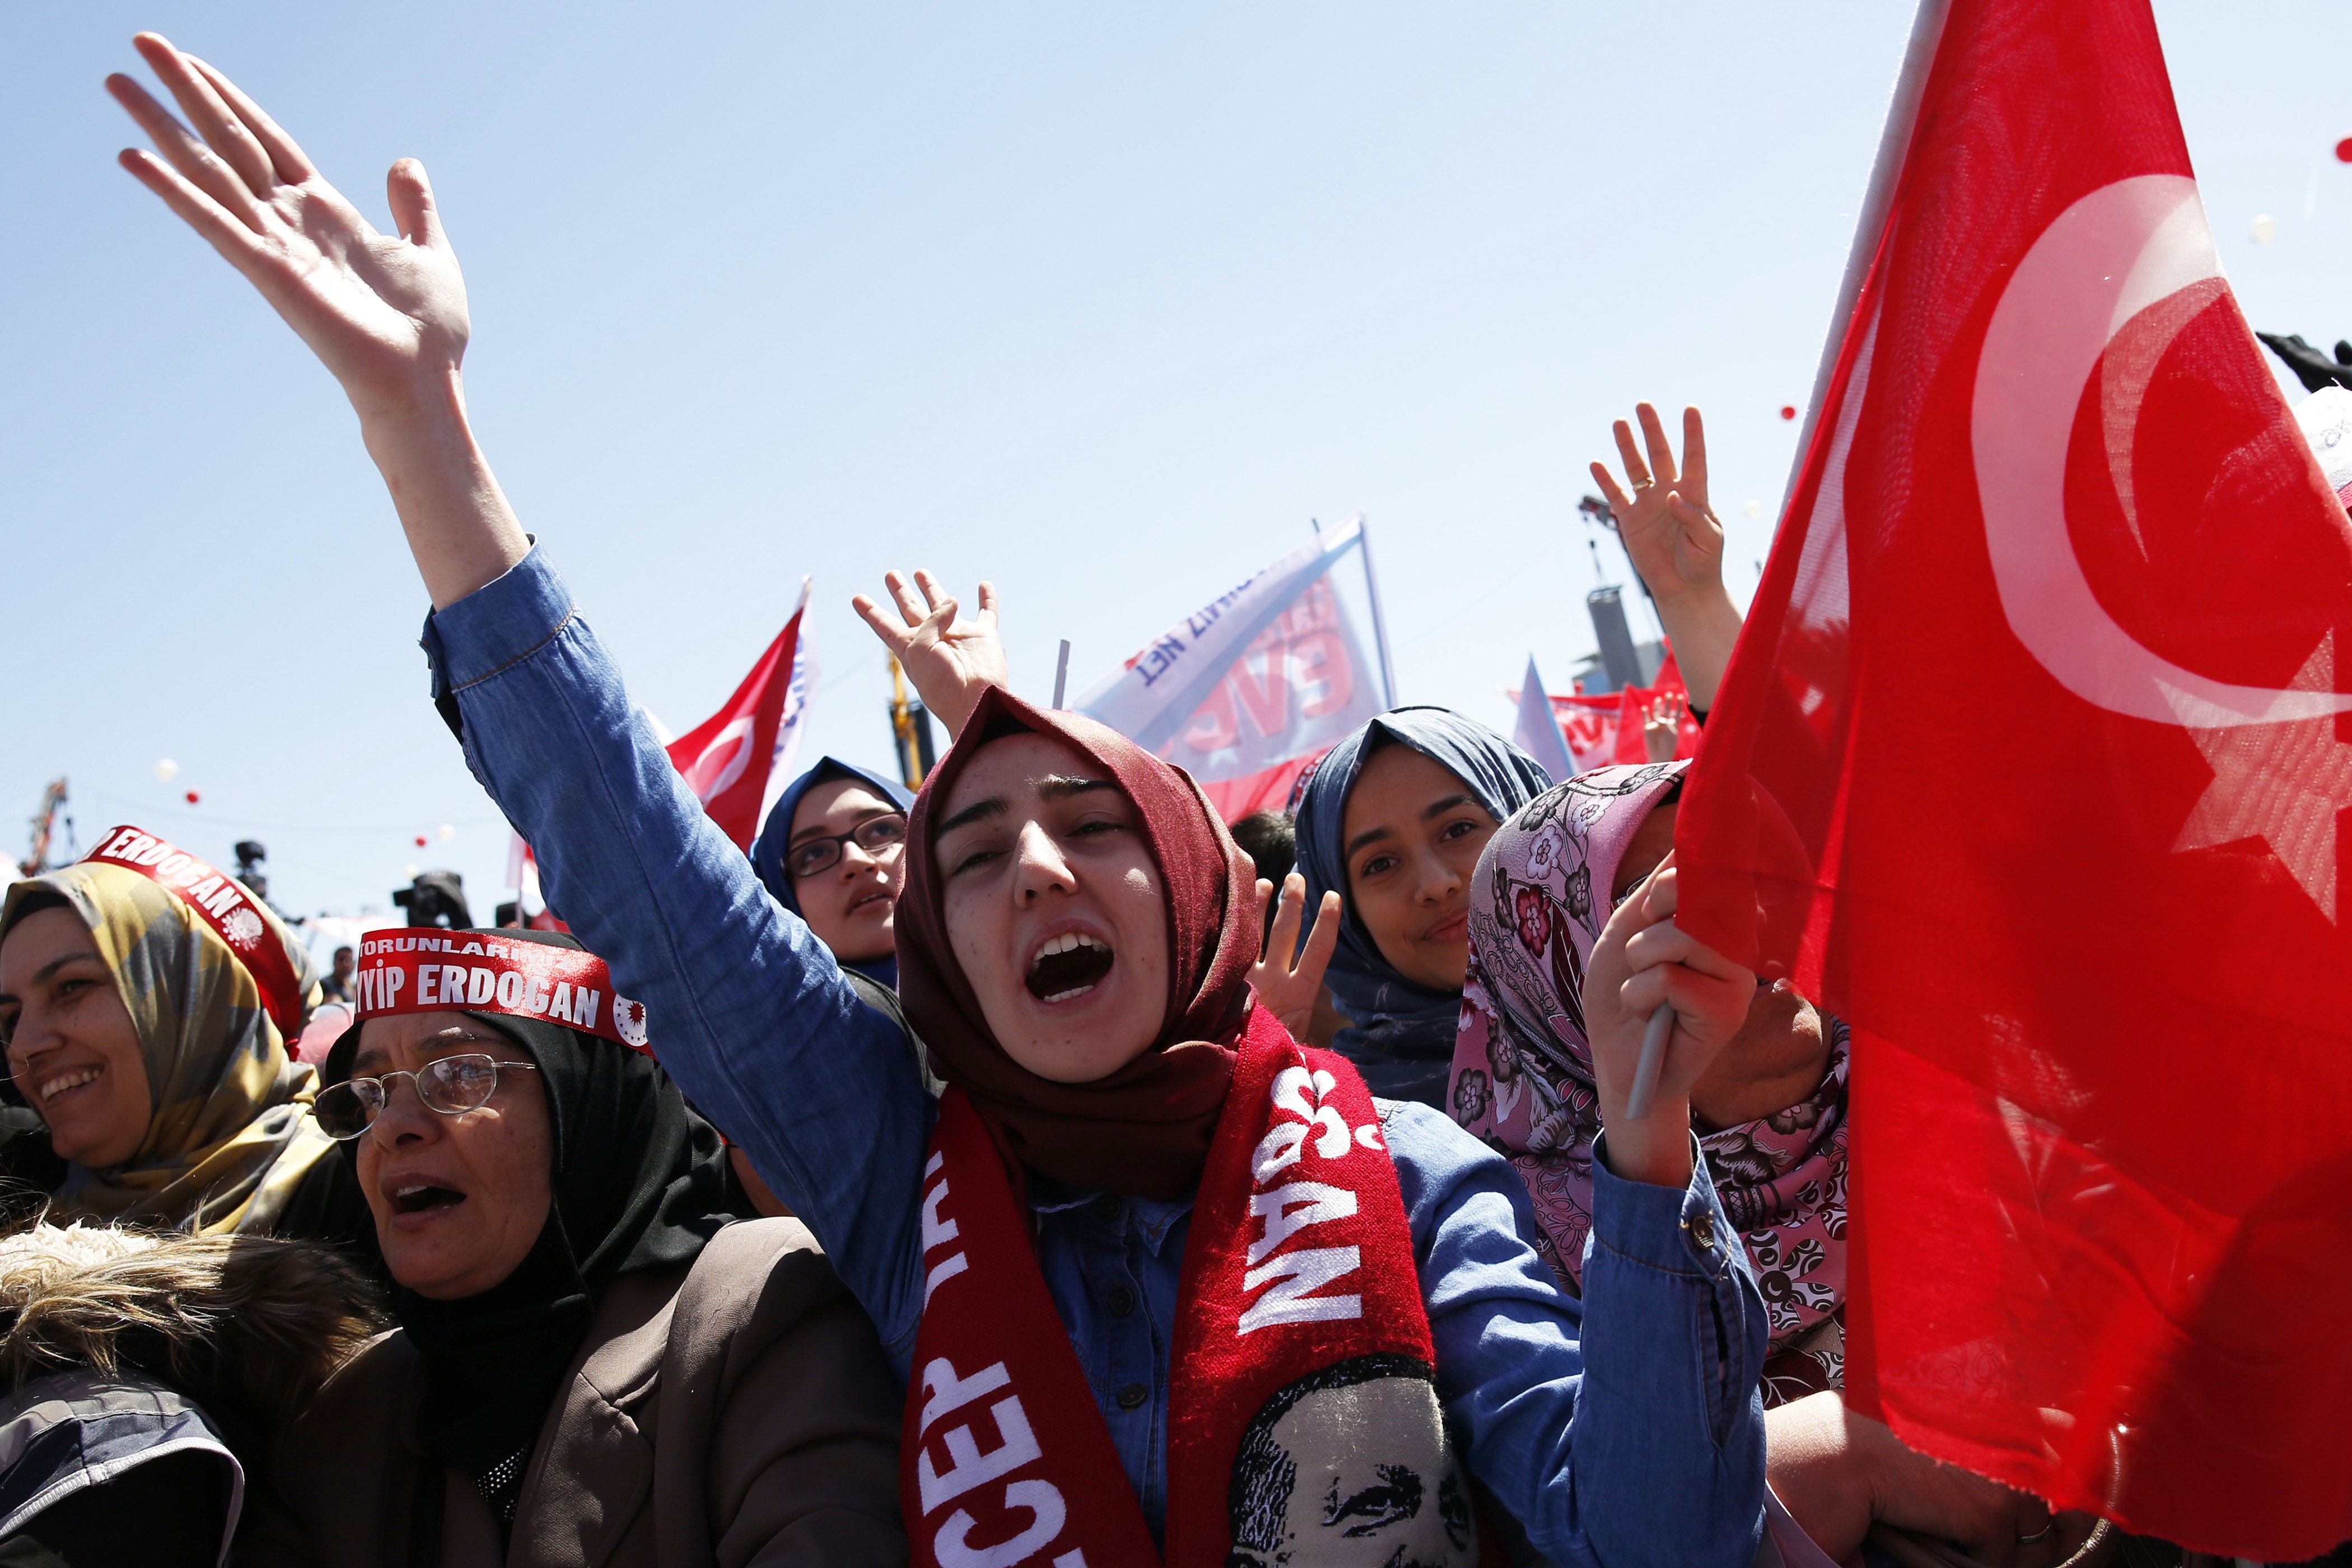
1394, 818
830, 852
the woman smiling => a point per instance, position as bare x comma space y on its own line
152, 1046
1394, 819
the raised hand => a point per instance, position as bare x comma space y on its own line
1661, 727
385, 313
1662, 510
1288, 978
951, 661
1676, 544
1644, 962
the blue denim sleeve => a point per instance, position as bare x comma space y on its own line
1625, 1428
746, 1008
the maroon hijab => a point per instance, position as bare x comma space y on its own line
1145, 1129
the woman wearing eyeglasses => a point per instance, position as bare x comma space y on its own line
594, 1364
829, 853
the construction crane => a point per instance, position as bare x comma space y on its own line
45, 832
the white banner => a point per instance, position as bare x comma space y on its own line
1245, 691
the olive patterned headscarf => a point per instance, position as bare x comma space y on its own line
230, 1136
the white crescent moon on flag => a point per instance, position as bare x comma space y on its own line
722, 762
2119, 250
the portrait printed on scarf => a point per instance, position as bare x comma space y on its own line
1350, 1465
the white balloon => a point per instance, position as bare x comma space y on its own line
409, 872
446, 832
2264, 228
166, 770
1755, 508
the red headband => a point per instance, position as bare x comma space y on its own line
415, 969
222, 902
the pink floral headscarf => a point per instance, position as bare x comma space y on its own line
1522, 1077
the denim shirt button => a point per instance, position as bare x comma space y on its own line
1133, 1395
1701, 1227
1108, 1207
1122, 1302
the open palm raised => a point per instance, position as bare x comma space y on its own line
950, 659
385, 313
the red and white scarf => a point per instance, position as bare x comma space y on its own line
1303, 1404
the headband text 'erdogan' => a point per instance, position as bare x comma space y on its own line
222, 902
409, 970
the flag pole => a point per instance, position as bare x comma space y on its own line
1379, 624
902, 728
1893, 148
1062, 675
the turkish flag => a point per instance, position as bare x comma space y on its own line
726, 758
2102, 995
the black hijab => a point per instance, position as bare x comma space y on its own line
640, 1182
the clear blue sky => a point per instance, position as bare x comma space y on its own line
1104, 303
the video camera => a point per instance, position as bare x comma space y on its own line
435, 899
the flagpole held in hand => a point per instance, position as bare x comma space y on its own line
1649, 1064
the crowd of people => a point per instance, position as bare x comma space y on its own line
1029, 1170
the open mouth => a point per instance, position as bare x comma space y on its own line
64, 1083
1069, 966
422, 1198
872, 902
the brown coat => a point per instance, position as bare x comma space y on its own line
736, 1413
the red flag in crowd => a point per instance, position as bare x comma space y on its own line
727, 758
1603, 729
2102, 993
737, 762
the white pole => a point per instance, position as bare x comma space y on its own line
1894, 147
1062, 673
1380, 623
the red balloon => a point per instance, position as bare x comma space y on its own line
1788, 411
420, 841
2344, 151
191, 797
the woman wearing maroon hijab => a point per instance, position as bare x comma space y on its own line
1165, 1286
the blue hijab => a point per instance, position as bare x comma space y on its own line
768, 850
1402, 1041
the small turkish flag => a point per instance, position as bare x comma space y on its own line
2101, 991
727, 759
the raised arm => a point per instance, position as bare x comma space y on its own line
1676, 544
745, 1007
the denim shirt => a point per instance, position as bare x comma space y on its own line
1622, 1428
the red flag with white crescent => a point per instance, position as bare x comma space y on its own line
2101, 995
727, 758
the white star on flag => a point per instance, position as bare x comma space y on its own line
2282, 782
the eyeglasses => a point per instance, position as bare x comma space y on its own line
876, 834
451, 1085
